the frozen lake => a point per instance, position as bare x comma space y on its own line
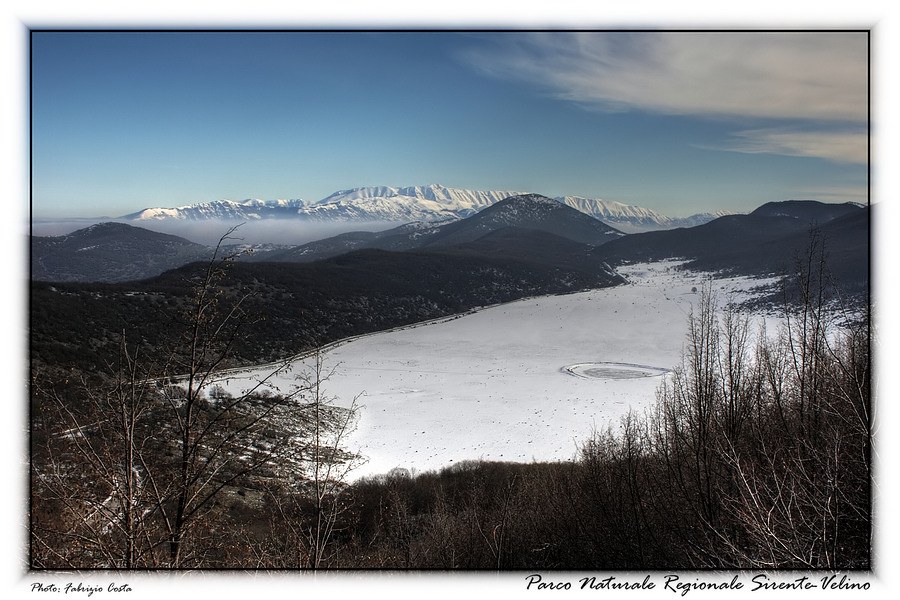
523, 381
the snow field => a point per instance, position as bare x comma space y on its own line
498, 384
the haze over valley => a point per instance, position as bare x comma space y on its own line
368, 209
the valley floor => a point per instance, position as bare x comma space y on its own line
523, 381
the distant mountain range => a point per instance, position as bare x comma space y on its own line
524, 212
113, 252
527, 228
430, 203
521, 246
634, 219
366, 204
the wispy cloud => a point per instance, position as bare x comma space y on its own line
810, 75
850, 147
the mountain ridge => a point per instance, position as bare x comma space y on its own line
525, 211
764, 242
433, 202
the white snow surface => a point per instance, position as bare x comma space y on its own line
498, 384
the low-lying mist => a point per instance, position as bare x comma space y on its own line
268, 231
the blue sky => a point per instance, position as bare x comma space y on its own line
677, 122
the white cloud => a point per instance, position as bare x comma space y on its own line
810, 75
851, 147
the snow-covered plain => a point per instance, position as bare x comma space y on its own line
523, 381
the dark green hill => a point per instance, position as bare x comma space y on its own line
110, 252
809, 211
764, 242
528, 211
532, 247
524, 212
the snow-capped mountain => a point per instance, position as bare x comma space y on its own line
429, 203
634, 219
697, 219
365, 204
252, 210
624, 217
415, 203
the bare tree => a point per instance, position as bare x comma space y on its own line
89, 502
141, 467
308, 499
766, 442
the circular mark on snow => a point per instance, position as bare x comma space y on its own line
612, 370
